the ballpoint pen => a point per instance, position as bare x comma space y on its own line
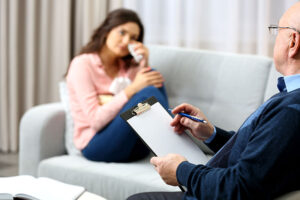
190, 117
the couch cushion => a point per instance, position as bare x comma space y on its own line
227, 87
104, 178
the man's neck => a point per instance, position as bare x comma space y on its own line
292, 68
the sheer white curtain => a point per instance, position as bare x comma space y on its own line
37, 40
238, 26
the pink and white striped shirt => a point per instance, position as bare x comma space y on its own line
86, 80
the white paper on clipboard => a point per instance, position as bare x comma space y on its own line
153, 127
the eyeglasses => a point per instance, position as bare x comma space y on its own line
273, 29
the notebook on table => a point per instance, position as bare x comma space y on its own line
30, 188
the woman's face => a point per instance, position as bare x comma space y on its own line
120, 36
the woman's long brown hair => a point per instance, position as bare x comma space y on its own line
115, 18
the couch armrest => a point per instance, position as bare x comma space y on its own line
41, 136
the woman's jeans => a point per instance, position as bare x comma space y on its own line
117, 142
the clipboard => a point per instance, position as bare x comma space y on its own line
151, 121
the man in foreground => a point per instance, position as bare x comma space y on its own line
260, 160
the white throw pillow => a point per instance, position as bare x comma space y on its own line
69, 126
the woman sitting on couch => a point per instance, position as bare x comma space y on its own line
103, 81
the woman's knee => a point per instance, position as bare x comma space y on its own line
143, 94
152, 91
148, 90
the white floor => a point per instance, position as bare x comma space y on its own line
8, 164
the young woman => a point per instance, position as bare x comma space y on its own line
103, 81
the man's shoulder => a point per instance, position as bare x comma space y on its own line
292, 97
282, 103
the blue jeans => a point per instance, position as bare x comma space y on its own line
117, 142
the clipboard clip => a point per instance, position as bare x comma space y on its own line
141, 108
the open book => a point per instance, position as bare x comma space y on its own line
42, 188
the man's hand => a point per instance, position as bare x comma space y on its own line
166, 166
201, 131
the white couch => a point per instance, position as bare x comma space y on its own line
227, 87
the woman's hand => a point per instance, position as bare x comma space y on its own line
141, 49
200, 130
145, 77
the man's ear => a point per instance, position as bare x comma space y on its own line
294, 45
